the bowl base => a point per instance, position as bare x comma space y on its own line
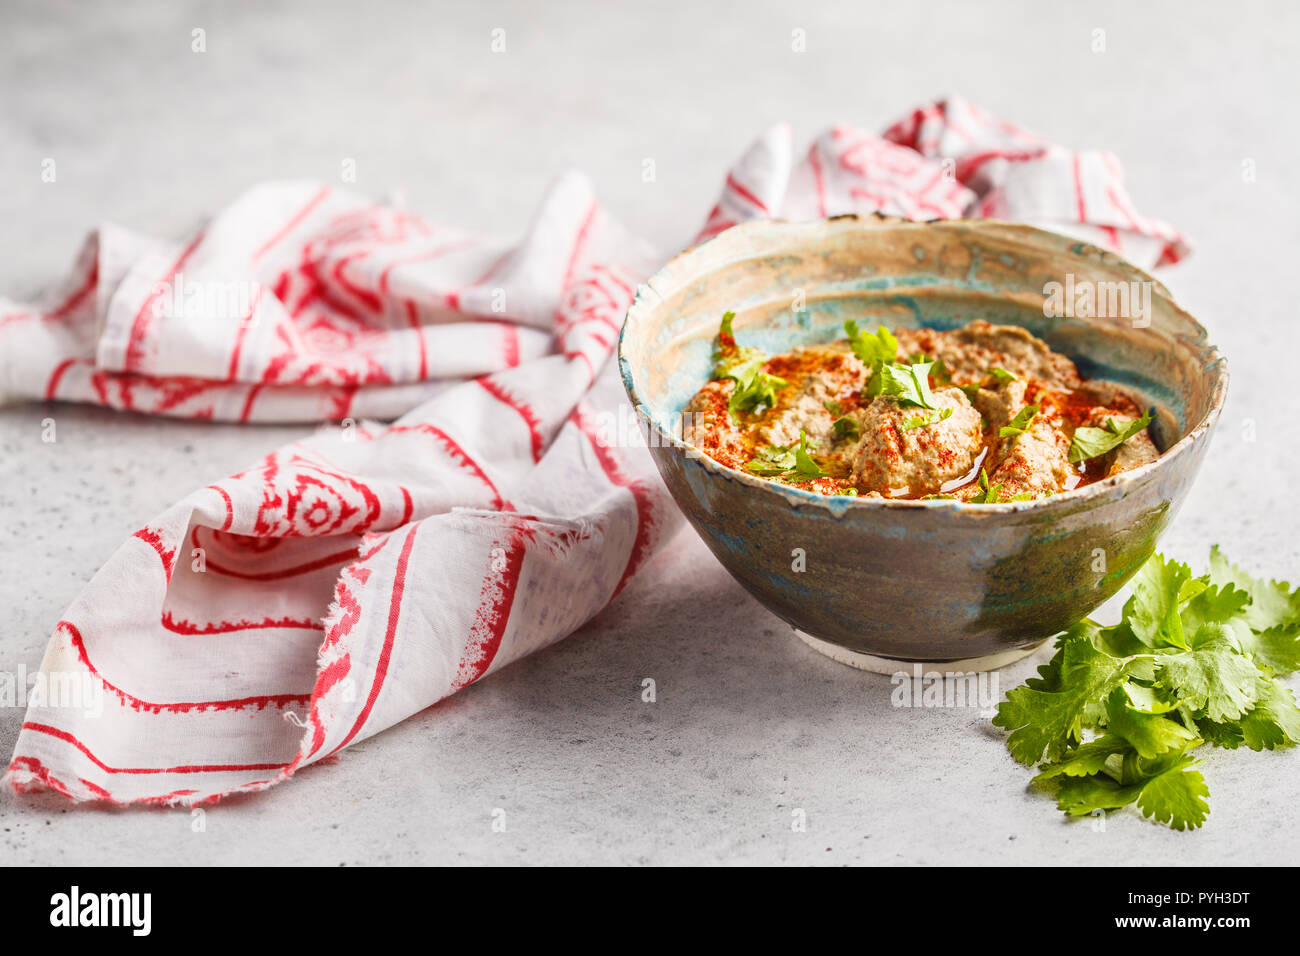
890, 665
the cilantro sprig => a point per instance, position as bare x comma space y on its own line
1114, 717
755, 389
925, 421
771, 461
909, 384
992, 494
804, 465
786, 461
846, 427
881, 347
727, 354
1091, 442
1020, 424
993, 378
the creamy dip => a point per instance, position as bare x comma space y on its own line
983, 413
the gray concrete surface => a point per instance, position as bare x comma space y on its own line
749, 725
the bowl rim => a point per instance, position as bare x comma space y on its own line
1088, 495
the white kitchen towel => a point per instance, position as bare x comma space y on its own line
362, 574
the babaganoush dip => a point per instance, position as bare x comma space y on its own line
983, 413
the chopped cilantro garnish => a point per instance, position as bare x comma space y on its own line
909, 384
845, 427
922, 421
833, 407
726, 337
881, 347
771, 460
1094, 442
727, 355
921, 375
755, 388
992, 494
1020, 424
779, 461
1002, 375
1117, 712
1271, 606
804, 465
938, 371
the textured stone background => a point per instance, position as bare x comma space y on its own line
749, 724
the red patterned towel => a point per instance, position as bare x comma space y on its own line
356, 577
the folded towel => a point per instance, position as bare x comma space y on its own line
360, 575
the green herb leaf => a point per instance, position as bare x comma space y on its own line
908, 384
1227, 736
727, 355
726, 337
1277, 648
1086, 759
1020, 424
779, 461
1176, 796
1210, 604
772, 460
804, 465
1170, 792
1184, 666
881, 347
1149, 700
1002, 375
876, 381
923, 421
1091, 442
992, 495
921, 375
845, 427
1082, 796
1274, 721
1152, 612
1272, 603
755, 389
1150, 734
1212, 678
1048, 722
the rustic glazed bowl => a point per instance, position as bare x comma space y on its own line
884, 582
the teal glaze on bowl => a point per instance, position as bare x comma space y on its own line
917, 580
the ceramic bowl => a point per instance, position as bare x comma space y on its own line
876, 582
